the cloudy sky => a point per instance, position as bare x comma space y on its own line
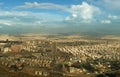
19, 14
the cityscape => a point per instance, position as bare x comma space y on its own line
60, 57
59, 38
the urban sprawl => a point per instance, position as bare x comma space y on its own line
60, 57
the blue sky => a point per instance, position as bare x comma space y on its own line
36, 13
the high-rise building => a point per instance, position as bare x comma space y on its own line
54, 47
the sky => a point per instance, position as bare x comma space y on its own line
34, 15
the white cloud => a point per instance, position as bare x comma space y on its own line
13, 23
27, 18
67, 18
74, 15
13, 13
106, 21
84, 12
42, 6
112, 16
38, 22
5, 22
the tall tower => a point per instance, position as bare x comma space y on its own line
54, 47
54, 52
